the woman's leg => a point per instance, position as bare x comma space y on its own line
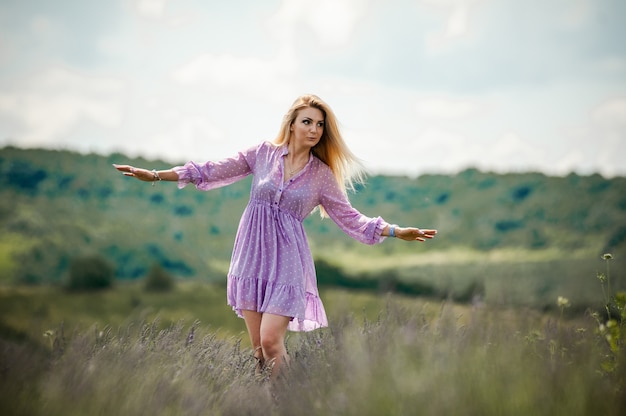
253, 324
273, 330
267, 335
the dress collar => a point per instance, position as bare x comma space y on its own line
285, 152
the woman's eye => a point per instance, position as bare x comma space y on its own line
321, 125
307, 122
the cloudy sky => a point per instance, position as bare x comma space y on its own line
418, 85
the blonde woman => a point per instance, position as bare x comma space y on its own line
271, 280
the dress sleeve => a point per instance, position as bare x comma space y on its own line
358, 226
212, 175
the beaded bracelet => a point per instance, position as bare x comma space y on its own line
156, 176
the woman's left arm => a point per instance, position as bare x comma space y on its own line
408, 233
361, 227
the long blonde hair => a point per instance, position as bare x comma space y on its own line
331, 149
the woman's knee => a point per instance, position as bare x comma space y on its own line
271, 342
272, 332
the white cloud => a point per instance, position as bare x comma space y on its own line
47, 106
444, 150
613, 65
578, 13
244, 74
596, 143
186, 136
151, 9
611, 114
444, 107
501, 84
511, 152
42, 26
332, 21
456, 21
433, 149
609, 133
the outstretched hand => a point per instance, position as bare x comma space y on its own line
139, 173
414, 234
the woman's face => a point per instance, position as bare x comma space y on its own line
308, 127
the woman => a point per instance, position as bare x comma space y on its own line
271, 280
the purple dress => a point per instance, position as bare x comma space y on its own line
272, 268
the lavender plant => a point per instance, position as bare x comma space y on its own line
407, 360
611, 329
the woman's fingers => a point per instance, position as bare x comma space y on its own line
415, 234
124, 168
429, 233
426, 234
138, 173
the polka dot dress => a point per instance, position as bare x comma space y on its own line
272, 268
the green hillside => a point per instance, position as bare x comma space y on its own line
58, 205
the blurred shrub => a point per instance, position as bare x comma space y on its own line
508, 225
474, 291
21, 174
91, 272
442, 198
158, 280
157, 198
330, 275
183, 210
104, 192
617, 238
180, 267
45, 262
521, 192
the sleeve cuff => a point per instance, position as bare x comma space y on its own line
379, 226
189, 173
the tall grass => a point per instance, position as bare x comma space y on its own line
411, 359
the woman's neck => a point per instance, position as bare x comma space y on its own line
296, 155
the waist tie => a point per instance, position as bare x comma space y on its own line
276, 211
279, 223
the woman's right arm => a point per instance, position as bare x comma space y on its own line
147, 175
205, 176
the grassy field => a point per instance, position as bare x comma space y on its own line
499, 277
481, 334
28, 312
127, 352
